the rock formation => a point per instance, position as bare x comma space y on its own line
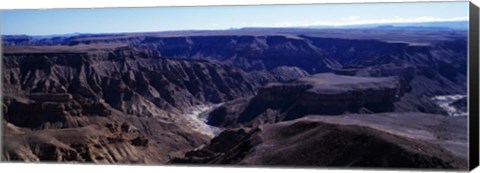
391, 140
50, 98
324, 94
129, 98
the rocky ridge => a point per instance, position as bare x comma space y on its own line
389, 140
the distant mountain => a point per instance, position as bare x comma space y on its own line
463, 25
56, 35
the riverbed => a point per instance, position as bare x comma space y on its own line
198, 116
445, 101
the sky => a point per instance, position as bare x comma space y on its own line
116, 20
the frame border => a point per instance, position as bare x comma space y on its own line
473, 73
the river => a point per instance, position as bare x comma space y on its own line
197, 117
445, 101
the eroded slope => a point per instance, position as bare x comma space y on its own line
399, 140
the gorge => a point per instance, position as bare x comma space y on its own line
145, 97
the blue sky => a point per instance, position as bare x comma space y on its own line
114, 20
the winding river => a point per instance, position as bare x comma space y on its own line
197, 118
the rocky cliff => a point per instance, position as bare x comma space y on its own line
324, 94
70, 90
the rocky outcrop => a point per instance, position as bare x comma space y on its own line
100, 140
408, 140
325, 94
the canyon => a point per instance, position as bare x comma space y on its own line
225, 97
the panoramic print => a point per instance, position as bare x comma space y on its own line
371, 85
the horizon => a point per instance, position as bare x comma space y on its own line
313, 27
135, 20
